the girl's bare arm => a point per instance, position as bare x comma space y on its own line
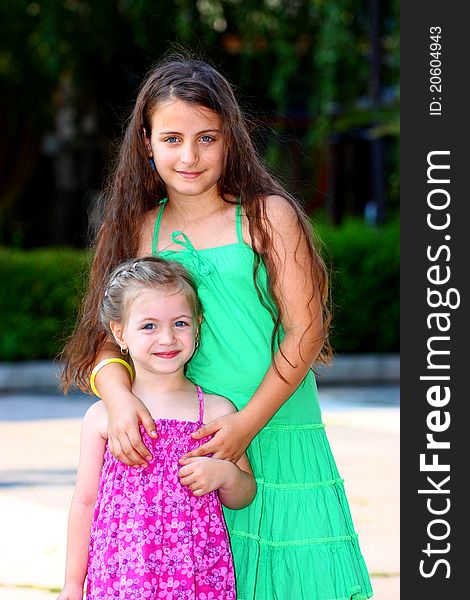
303, 328
235, 482
92, 447
125, 411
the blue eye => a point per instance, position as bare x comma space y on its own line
171, 139
181, 324
207, 138
149, 327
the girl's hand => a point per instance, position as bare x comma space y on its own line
203, 475
124, 439
71, 591
232, 436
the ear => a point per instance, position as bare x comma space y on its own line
117, 330
148, 146
198, 326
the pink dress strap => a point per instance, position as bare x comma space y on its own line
200, 395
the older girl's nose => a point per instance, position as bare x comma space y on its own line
189, 155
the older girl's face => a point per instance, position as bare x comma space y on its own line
187, 146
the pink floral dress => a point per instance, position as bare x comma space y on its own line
150, 537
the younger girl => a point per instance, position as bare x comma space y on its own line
156, 532
189, 186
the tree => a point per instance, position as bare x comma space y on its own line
69, 70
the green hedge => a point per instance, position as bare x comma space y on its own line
40, 291
365, 278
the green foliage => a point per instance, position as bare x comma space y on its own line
365, 264
305, 63
39, 293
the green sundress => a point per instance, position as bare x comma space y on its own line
296, 541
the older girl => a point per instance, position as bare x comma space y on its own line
190, 186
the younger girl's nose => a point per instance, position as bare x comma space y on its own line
166, 336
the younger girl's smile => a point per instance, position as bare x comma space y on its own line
167, 355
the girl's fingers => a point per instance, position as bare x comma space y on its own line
111, 445
137, 446
129, 455
196, 487
148, 424
189, 468
184, 471
187, 460
223, 455
205, 430
203, 450
189, 480
115, 447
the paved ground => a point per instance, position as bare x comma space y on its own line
39, 438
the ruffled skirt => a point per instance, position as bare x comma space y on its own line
296, 541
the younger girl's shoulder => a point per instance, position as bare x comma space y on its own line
95, 419
216, 406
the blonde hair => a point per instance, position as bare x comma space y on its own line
131, 277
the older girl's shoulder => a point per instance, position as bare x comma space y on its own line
147, 231
282, 214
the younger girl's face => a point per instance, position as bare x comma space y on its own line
159, 332
187, 147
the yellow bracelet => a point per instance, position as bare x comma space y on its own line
102, 364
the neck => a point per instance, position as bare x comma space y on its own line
146, 383
198, 207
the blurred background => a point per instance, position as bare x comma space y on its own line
318, 81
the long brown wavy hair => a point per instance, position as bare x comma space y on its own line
133, 189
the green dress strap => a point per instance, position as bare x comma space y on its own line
156, 229
239, 222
